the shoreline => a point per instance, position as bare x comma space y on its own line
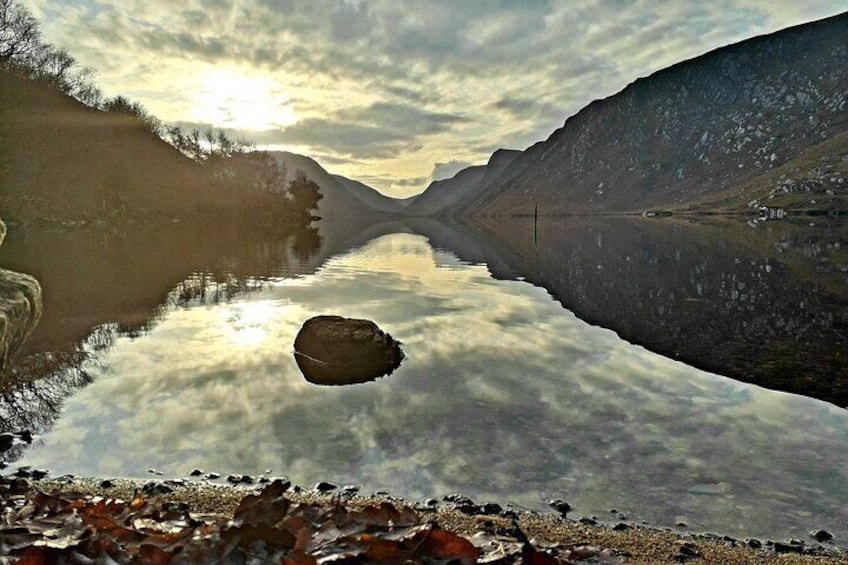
490, 524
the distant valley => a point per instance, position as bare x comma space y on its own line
762, 123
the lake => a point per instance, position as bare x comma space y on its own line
584, 359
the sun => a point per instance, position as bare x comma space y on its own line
236, 100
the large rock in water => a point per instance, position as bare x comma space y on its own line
332, 350
20, 309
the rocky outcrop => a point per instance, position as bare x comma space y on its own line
332, 350
20, 309
688, 133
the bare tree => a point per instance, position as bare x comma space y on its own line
84, 89
23, 51
55, 66
20, 36
123, 105
209, 146
189, 144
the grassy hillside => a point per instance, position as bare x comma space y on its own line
62, 161
814, 181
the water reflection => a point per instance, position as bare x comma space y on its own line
98, 285
36, 386
90, 278
504, 395
766, 305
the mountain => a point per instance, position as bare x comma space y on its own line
342, 196
760, 122
60, 159
442, 194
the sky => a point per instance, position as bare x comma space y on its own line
393, 93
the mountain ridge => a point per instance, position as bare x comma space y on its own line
677, 138
342, 196
63, 161
442, 194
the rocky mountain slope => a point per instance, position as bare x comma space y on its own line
703, 134
442, 194
342, 196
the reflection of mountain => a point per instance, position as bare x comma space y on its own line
99, 284
505, 396
767, 305
93, 277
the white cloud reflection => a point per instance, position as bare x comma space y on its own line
504, 395
384, 90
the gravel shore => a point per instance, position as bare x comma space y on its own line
619, 543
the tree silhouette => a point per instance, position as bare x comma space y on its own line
305, 193
123, 105
20, 36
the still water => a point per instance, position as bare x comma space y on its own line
504, 396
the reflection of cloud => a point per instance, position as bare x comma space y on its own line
504, 395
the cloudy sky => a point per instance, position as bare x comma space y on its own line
393, 93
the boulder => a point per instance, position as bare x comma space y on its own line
332, 350
20, 309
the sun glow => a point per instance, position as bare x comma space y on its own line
231, 99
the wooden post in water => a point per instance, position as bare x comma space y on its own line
536, 224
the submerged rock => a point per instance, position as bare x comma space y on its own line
332, 350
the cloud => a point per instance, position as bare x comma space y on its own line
382, 129
347, 138
448, 169
417, 181
527, 108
